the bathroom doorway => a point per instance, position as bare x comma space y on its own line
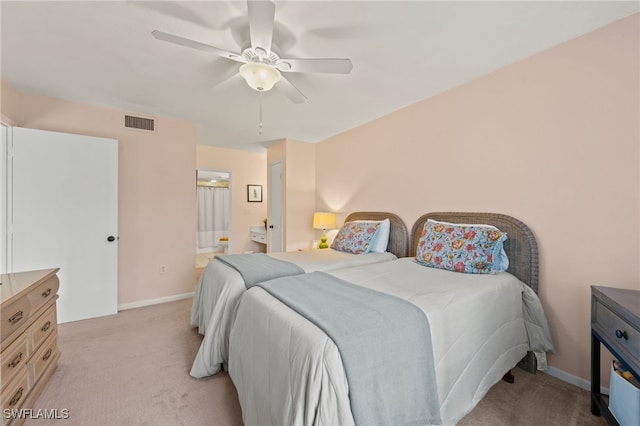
213, 216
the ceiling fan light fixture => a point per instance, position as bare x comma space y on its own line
259, 76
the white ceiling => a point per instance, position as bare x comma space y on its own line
102, 53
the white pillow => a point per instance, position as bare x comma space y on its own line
380, 241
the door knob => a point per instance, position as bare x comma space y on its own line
111, 238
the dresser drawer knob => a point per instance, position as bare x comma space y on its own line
16, 317
46, 293
622, 335
46, 326
47, 354
15, 361
16, 397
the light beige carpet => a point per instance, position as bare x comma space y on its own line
133, 369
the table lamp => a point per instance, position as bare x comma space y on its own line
324, 221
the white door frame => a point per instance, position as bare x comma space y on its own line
4, 191
215, 169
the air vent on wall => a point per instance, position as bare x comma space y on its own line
139, 123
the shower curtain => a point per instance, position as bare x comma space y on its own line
213, 217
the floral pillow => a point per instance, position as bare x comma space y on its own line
380, 241
355, 237
475, 249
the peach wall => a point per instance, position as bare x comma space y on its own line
156, 198
9, 102
552, 140
246, 168
300, 188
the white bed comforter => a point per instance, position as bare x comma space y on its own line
287, 371
220, 287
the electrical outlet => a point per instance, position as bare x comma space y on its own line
163, 269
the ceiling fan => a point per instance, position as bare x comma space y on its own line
262, 67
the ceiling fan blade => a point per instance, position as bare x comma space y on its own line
261, 17
222, 74
197, 45
290, 91
327, 65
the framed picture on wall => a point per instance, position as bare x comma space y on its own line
254, 193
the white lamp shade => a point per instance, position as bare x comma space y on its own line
323, 220
259, 76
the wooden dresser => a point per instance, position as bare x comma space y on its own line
29, 350
615, 322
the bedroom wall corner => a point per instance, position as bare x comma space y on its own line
552, 140
156, 200
301, 194
9, 101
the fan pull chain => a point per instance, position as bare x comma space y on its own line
260, 112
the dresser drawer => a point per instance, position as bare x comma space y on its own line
14, 315
29, 352
43, 326
43, 292
15, 393
14, 358
616, 330
43, 356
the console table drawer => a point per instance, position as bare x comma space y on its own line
616, 330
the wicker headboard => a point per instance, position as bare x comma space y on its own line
520, 246
398, 235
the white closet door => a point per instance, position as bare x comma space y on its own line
276, 205
64, 209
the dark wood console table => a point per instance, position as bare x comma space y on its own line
615, 322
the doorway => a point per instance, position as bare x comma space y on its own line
213, 216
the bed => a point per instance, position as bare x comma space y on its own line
220, 287
288, 371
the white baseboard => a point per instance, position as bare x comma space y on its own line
149, 302
574, 380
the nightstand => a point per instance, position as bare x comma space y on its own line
615, 322
258, 233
